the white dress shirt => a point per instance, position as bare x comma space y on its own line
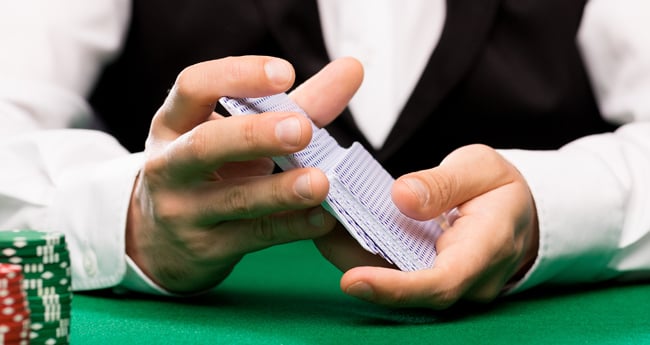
393, 40
592, 196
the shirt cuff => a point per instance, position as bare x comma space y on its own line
91, 206
579, 208
136, 280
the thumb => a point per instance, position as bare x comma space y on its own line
464, 174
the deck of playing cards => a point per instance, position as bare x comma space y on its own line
359, 195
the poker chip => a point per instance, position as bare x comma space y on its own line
36, 250
43, 260
26, 238
14, 309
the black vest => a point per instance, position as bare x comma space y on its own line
506, 73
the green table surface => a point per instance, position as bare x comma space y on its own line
290, 295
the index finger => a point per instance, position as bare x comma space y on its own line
197, 89
339, 80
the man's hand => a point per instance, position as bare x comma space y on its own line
494, 238
206, 196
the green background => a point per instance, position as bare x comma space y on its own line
289, 294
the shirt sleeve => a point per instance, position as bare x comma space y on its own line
57, 176
57, 51
77, 182
593, 195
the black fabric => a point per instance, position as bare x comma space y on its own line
505, 73
167, 36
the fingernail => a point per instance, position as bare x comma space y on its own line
278, 71
418, 188
361, 290
289, 131
303, 186
316, 217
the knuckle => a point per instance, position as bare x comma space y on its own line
508, 247
442, 187
184, 84
167, 210
198, 144
481, 149
281, 190
237, 202
150, 173
500, 167
266, 230
157, 122
249, 134
198, 247
234, 69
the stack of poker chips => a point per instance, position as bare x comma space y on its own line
45, 263
14, 309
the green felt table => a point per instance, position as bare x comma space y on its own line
290, 295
